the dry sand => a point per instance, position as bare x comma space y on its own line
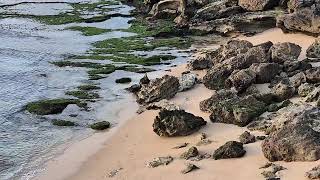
134, 144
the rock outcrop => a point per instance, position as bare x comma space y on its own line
177, 123
158, 89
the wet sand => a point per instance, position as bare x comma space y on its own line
134, 144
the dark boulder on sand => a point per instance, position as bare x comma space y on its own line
282, 52
100, 125
177, 123
231, 149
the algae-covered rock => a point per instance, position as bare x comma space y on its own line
123, 80
231, 149
58, 122
52, 106
100, 125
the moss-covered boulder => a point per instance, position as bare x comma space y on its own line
51, 106
58, 122
83, 94
123, 80
88, 87
100, 125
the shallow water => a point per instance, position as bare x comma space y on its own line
26, 48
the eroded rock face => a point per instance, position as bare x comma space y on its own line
314, 50
258, 5
313, 75
265, 72
235, 110
282, 52
215, 77
297, 138
218, 9
231, 149
158, 89
304, 19
233, 48
177, 123
241, 80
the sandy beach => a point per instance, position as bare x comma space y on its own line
129, 147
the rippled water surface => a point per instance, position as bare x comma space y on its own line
26, 48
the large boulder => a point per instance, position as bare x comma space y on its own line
218, 9
187, 81
313, 75
234, 110
233, 48
283, 91
265, 72
297, 139
294, 67
158, 89
202, 60
231, 149
282, 52
241, 80
209, 105
177, 123
258, 5
305, 20
215, 77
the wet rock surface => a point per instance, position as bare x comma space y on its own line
177, 123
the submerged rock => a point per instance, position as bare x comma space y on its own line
160, 161
296, 138
52, 106
177, 123
58, 122
158, 89
123, 80
100, 125
134, 88
231, 149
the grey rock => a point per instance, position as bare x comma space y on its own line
187, 81
241, 80
282, 52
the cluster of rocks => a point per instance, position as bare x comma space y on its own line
249, 16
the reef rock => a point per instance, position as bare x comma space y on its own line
231, 149
258, 5
282, 52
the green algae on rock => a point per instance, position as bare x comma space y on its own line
51, 106
83, 94
89, 31
100, 125
88, 87
58, 122
123, 80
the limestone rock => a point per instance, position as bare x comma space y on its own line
247, 138
314, 173
189, 168
160, 161
187, 81
313, 75
265, 72
282, 52
177, 123
305, 89
314, 50
241, 80
258, 5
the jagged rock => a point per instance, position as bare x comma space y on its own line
294, 5
305, 89
192, 152
218, 9
100, 125
209, 105
298, 79
233, 48
166, 8
265, 72
215, 77
303, 19
144, 81
163, 104
187, 81
283, 91
282, 52
276, 106
261, 138
158, 89
231, 149
313, 95
294, 67
238, 111
258, 5
247, 138
241, 80
202, 60
313, 75
177, 123
314, 50
189, 168
314, 173
296, 138
160, 161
